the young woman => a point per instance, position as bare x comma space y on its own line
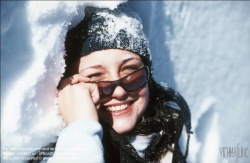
114, 110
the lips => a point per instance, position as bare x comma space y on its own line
117, 107
120, 109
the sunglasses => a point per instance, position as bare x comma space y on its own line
130, 83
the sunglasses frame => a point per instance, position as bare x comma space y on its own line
119, 82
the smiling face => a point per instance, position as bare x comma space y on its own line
123, 109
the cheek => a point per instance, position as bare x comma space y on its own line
143, 99
144, 92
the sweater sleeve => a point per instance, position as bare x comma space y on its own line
80, 142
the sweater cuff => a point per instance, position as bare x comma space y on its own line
80, 142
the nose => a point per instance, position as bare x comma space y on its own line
119, 93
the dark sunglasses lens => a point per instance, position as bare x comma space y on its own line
131, 83
105, 89
135, 81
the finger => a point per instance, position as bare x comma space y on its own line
77, 78
94, 93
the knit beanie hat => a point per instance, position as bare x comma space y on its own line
103, 28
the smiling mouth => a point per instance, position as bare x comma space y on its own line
117, 108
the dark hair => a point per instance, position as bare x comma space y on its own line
73, 45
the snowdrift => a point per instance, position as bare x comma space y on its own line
199, 48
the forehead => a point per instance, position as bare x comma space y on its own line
107, 57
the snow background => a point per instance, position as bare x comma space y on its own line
199, 48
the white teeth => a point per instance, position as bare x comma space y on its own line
118, 107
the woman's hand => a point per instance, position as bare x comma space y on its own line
78, 99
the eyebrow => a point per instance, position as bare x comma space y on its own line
101, 67
94, 67
128, 59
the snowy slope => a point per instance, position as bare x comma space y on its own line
203, 50
199, 48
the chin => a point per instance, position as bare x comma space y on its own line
122, 126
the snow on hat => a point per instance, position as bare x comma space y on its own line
103, 28
119, 28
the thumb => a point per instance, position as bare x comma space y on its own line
94, 93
